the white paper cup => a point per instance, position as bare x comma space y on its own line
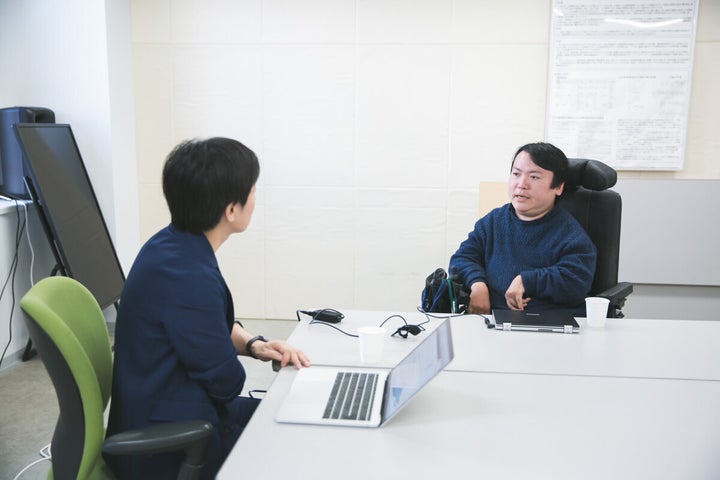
371, 343
596, 310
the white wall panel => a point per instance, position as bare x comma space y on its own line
311, 21
308, 249
216, 21
400, 238
217, 91
151, 21
703, 137
509, 22
707, 21
487, 129
404, 21
402, 109
308, 115
242, 263
154, 213
462, 213
154, 109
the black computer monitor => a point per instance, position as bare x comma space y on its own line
60, 188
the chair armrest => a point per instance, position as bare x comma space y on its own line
617, 295
189, 436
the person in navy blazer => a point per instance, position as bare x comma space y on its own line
176, 339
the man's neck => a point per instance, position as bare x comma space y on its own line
217, 236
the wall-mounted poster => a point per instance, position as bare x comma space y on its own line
619, 80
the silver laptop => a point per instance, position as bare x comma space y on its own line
365, 397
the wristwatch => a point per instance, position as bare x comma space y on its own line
248, 345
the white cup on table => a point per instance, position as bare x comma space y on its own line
372, 340
596, 309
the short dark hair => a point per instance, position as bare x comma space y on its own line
549, 157
202, 177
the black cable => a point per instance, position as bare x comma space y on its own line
429, 315
11, 275
329, 315
406, 328
394, 316
403, 331
319, 316
255, 391
321, 322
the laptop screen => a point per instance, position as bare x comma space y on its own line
417, 369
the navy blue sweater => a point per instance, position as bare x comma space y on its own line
553, 255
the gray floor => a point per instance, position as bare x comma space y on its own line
28, 407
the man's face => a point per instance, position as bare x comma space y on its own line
529, 188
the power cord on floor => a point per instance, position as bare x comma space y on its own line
11, 276
44, 453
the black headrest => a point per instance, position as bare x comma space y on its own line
591, 174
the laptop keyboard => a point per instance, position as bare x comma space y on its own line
352, 396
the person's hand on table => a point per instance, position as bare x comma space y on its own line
281, 352
514, 296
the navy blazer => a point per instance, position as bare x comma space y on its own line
174, 359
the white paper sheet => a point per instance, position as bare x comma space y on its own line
619, 80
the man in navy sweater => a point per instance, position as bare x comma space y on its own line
176, 340
528, 254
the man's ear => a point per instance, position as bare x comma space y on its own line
559, 189
231, 210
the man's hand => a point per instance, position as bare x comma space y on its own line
479, 298
514, 295
279, 351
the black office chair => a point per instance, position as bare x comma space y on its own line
599, 210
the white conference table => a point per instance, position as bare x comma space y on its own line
687, 349
498, 420
501, 426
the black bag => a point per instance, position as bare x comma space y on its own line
443, 294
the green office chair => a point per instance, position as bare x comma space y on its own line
69, 332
